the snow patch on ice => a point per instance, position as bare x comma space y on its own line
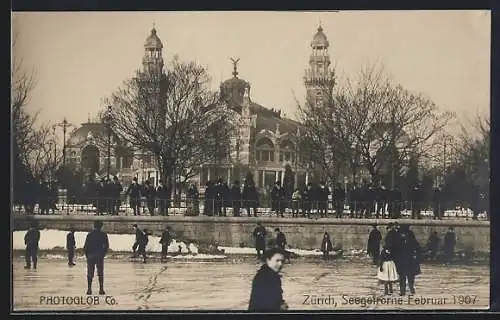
251, 251
53, 239
50, 239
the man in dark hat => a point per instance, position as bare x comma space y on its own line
339, 198
143, 242
134, 192
150, 194
450, 241
116, 193
250, 197
267, 294
165, 240
307, 197
392, 237
323, 193
417, 198
407, 259
95, 248
373, 248
280, 239
31, 239
162, 192
397, 227
71, 246
219, 197
236, 198
101, 197
260, 233
433, 245
277, 196
138, 234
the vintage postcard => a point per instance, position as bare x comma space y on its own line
251, 161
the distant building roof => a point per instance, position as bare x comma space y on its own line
96, 129
268, 119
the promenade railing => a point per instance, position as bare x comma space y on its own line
267, 207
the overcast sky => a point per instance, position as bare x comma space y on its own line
82, 57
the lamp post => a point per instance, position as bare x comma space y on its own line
446, 139
55, 151
108, 125
64, 125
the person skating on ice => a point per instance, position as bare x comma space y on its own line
31, 240
96, 247
267, 293
387, 273
71, 246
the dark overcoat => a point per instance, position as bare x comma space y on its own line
374, 238
266, 294
408, 254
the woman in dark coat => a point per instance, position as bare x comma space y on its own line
408, 257
326, 245
251, 198
267, 294
208, 208
373, 247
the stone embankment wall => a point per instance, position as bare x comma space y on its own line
301, 233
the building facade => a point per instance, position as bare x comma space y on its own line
88, 145
264, 143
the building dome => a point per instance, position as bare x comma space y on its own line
320, 40
153, 42
233, 90
235, 83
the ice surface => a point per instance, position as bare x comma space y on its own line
225, 284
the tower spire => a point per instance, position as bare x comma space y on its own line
319, 78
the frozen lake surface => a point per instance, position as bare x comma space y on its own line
53, 239
224, 284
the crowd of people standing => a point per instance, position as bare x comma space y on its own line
108, 196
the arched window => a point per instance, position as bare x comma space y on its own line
287, 151
264, 150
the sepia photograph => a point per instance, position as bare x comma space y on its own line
250, 161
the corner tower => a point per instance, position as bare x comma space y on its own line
319, 78
152, 62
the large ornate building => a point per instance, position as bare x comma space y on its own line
264, 143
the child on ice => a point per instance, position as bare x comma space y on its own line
387, 273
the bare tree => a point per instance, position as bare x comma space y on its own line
372, 123
32, 145
173, 117
41, 159
474, 142
22, 84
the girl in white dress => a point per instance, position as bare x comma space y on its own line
387, 273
